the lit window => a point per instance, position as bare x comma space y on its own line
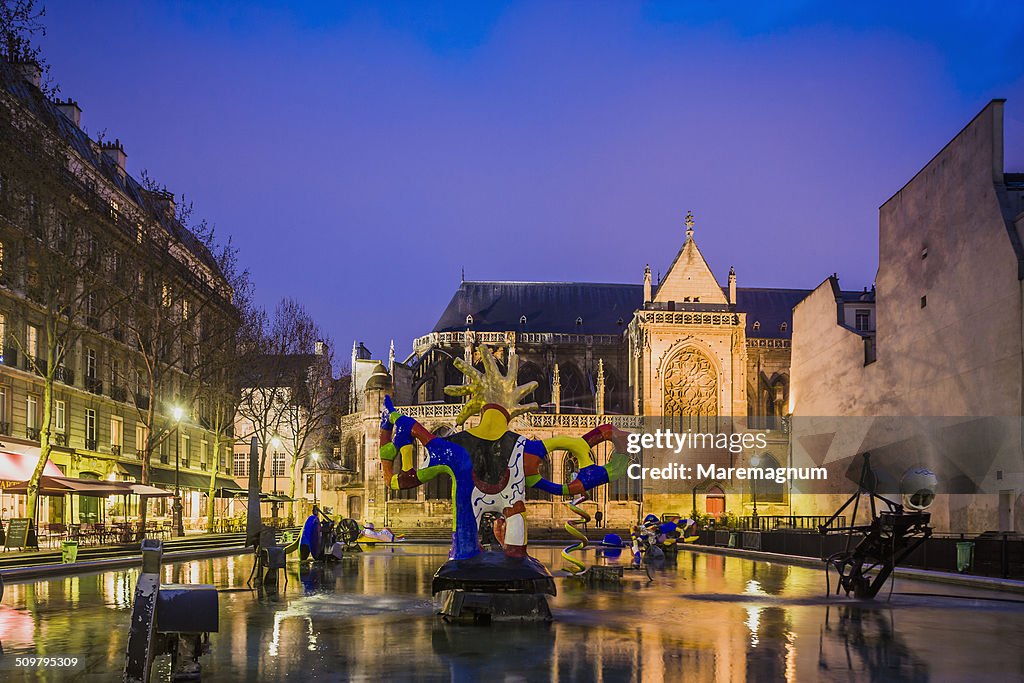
59, 416
469, 320
116, 431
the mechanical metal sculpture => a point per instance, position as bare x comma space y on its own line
887, 539
490, 469
174, 619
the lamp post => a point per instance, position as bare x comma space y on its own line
754, 461
316, 470
276, 444
179, 528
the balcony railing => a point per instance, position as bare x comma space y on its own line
115, 449
32, 433
63, 375
94, 385
119, 394
142, 401
90, 444
5, 428
10, 357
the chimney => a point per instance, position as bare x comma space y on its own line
732, 285
71, 111
30, 71
164, 201
647, 284
115, 152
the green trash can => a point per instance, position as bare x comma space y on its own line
733, 540
964, 555
68, 552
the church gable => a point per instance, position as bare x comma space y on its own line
689, 278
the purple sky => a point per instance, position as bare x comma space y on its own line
363, 156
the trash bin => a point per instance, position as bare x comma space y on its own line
68, 551
964, 555
732, 539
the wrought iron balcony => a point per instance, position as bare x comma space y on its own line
94, 385
142, 401
90, 444
32, 433
115, 449
63, 375
119, 394
10, 357
5, 428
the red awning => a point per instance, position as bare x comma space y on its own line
17, 467
58, 486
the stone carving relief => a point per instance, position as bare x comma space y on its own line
691, 385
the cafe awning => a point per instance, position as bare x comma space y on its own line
149, 491
186, 480
16, 467
59, 486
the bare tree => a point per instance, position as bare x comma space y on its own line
286, 388
307, 421
52, 259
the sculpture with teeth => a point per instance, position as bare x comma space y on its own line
490, 469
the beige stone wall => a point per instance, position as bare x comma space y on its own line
949, 316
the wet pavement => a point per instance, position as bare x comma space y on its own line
371, 617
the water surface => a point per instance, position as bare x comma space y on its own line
371, 617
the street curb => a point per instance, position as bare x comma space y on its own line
966, 580
48, 570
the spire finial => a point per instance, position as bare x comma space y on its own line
689, 223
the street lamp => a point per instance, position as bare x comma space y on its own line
316, 470
179, 528
755, 462
275, 443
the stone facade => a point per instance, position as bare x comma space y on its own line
685, 348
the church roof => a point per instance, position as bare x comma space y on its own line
548, 306
604, 308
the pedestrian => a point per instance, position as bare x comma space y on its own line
598, 516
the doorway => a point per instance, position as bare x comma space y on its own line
714, 501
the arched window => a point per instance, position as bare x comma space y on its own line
691, 391
765, 490
469, 320
531, 372
783, 327
570, 468
522, 320
350, 456
577, 396
579, 321
757, 325
613, 394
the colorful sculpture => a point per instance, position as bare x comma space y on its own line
490, 469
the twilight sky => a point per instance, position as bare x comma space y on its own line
363, 155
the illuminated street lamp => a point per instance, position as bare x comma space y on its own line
179, 528
754, 461
316, 469
276, 444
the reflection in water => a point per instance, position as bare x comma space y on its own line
706, 617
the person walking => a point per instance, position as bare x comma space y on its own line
598, 517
